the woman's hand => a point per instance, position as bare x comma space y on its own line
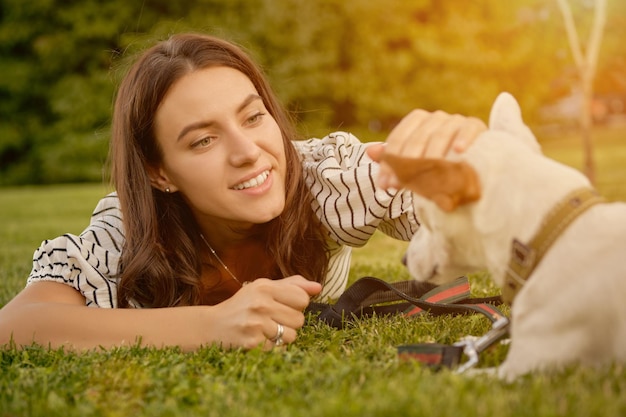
423, 134
251, 317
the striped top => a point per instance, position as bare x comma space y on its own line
340, 176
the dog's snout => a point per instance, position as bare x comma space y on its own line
404, 259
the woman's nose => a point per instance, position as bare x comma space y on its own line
243, 148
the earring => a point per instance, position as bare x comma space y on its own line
167, 190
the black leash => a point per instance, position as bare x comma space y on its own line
372, 296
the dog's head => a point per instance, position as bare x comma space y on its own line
448, 243
449, 199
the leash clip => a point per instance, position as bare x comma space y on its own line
472, 348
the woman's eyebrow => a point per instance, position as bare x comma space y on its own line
248, 100
203, 124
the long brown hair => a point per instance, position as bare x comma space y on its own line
160, 262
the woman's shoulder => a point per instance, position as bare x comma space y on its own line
88, 262
109, 202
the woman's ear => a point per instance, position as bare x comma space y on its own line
160, 180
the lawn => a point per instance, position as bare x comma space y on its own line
327, 372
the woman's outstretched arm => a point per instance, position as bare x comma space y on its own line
54, 314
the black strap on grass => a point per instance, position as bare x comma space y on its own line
372, 296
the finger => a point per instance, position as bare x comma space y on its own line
395, 143
375, 151
386, 177
291, 296
284, 300
403, 137
311, 288
468, 134
430, 131
287, 316
288, 336
442, 133
397, 140
293, 286
283, 303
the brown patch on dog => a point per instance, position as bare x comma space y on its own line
448, 184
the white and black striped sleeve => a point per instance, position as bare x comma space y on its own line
89, 262
341, 178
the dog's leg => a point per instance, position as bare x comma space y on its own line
558, 323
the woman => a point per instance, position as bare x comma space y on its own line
229, 225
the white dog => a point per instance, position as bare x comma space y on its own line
481, 210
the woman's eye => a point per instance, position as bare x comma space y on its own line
202, 143
255, 118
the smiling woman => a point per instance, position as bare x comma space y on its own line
214, 191
215, 134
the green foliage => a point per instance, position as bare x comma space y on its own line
337, 65
55, 86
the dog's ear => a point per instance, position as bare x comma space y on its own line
448, 184
506, 116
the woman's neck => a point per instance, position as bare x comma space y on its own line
227, 238
225, 273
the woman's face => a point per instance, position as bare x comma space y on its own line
222, 150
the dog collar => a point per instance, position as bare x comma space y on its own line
524, 258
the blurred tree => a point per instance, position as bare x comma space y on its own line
55, 86
586, 59
367, 63
611, 75
358, 65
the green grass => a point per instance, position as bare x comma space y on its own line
609, 155
327, 372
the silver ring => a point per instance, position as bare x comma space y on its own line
278, 339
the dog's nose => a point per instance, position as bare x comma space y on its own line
404, 259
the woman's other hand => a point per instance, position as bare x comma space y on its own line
250, 318
423, 134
